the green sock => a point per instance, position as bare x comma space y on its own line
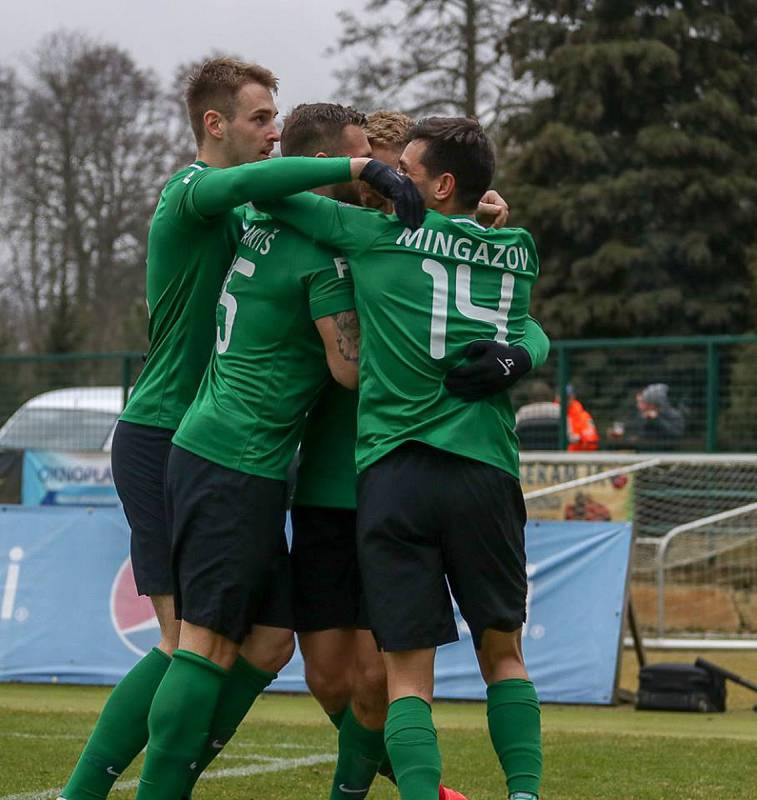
385, 767
120, 732
240, 690
512, 708
336, 719
410, 739
360, 752
179, 724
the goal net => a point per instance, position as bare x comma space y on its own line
694, 570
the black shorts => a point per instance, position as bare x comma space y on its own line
229, 560
139, 456
327, 586
427, 517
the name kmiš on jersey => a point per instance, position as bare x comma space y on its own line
439, 243
259, 239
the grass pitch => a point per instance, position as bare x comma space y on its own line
285, 750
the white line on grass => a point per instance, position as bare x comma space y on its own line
269, 746
251, 757
231, 772
257, 769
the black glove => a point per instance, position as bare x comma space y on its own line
408, 203
492, 368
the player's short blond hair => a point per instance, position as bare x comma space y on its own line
388, 128
215, 84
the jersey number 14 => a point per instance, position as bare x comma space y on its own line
464, 304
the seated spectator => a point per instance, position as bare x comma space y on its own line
538, 422
654, 424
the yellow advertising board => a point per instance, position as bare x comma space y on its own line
601, 500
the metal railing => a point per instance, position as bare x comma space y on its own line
710, 547
694, 518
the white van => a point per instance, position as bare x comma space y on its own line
81, 418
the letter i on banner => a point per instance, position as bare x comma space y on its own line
11, 583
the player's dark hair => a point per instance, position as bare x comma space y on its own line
311, 128
215, 85
457, 145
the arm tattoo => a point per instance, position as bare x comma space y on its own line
348, 334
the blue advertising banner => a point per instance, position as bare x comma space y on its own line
67, 479
69, 611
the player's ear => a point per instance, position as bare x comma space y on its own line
321, 154
445, 186
214, 123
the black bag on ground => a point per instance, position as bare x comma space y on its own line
680, 687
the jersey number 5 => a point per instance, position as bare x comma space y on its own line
464, 304
229, 302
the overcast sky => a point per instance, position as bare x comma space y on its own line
287, 36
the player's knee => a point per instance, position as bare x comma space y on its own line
329, 683
282, 653
275, 655
501, 656
370, 683
369, 695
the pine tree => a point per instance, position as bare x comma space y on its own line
638, 172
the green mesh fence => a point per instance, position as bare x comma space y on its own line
63, 402
710, 383
704, 389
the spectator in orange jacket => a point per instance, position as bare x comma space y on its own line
537, 423
582, 432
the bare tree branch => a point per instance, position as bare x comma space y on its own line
428, 54
92, 143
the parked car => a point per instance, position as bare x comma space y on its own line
80, 418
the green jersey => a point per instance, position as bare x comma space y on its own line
422, 296
193, 236
269, 362
327, 475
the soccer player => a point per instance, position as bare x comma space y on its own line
490, 367
343, 668
193, 235
438, 497
285, 318
386, 132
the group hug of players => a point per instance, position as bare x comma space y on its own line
274, 288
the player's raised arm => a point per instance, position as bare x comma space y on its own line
215, 191
493, 210
346, 227
536, 341
406, 199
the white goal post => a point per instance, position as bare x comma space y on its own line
694, 570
